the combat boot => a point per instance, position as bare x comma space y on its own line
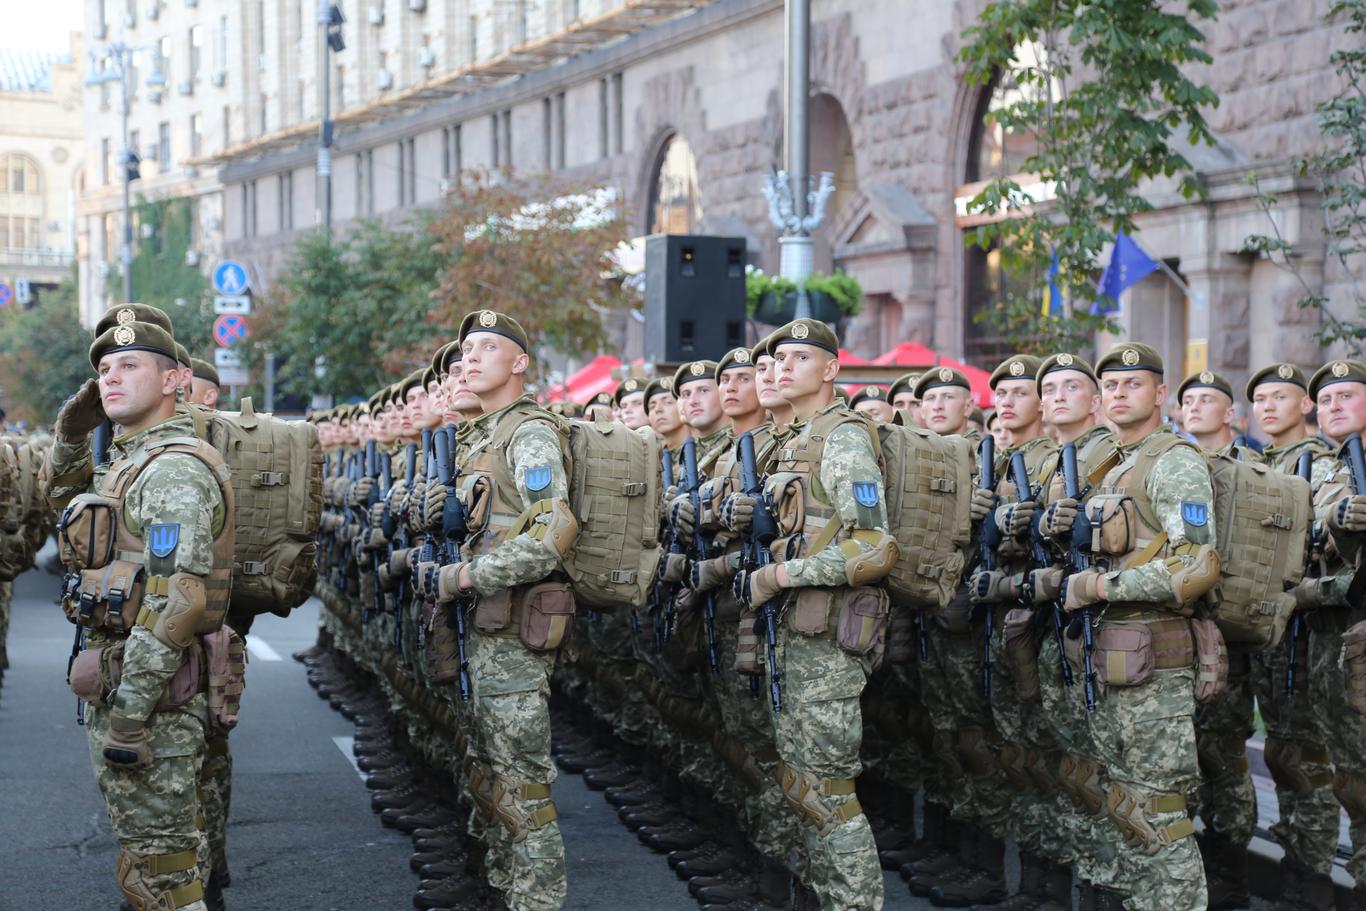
445, 893
213, 895
637, 792
1029, 896
710, 862
1225, 873
952, 863
671, 838
612, 775
934, 816
650, 814
730, 885
1103, 899
1056, 891
577, 762
986, 885
775, 884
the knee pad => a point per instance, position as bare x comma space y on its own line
135, 870
811, 798
1133, 814
1222, 754
510, 805
975, 749
1350, 789
1013, 763
1285, 760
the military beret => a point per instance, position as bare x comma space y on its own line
447, 354
864, 393
570, 409
660, 385
205, 371
629, 386
602, 398
804, 332
1276, 373
1130, 356
133, 336
937, 377
182, 356
429, 376
735, 357
1019, 366
691, 372
411, 381
120, 314
978, 415
1064, 361
1205, 379
904, 383
1337, 372
498, 324
761, 349
375, 404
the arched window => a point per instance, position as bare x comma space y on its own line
21, 202
675, 203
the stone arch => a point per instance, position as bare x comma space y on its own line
675, 153
670, 104
832, 149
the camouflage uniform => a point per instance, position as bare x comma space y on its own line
155, 811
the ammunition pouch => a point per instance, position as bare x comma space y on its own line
1211, 661
547, 616
749, 642
88, 531
788, 495
1131, 813
96, 674
1114, 524
108, 598
1127, 652
476, 492
901, 638
863, 623
810, 799
225, 654
1022, 653
810, 612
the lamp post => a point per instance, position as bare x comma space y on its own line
330, 39
793, 206
120, 58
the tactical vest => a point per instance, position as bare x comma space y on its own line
109, 578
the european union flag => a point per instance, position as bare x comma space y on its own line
1128, 266
1052, 305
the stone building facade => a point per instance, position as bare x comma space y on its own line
684, 118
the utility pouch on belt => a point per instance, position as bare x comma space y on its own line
1114, 524
1211, 661
494, 612
789, 500
186, 683
226, 655
747, 645
86, 679
1021, 653
1127, 652
810, 611
547, 616
863, 623
107, 598
956, 618
87, 531
1354, 666
474, 492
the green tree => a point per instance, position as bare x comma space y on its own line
1339, 171
1101, 89
160, 276
44, 355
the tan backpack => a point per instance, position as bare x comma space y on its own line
928, 480
277, 472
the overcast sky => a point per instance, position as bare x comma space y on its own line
40, 26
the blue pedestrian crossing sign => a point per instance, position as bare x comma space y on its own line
230, 277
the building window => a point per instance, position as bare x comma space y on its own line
286, 201
411, 146
402, 171
249, 209
559, 130
618, 112
163, 61
675, 203
135, 141
196, 135
506, 119
547, 134
369, 181
495, 151
196, 49
451, 153
21, 202
163, 147
227, 126
106, 160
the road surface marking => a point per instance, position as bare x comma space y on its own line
261, 650
345, 745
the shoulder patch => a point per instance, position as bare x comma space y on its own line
1193, 513
537, 478
865, 493
162, 539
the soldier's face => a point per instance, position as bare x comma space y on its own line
946, 409
739, 392
133, 385
766, 381
203, 392
364, 428
804, 369
490, 360
1017, 403
1277, 407
1205, 411
633, 410
876, 409
433, 408
1131, 397
1342, 409
460, 399
1069, 397
701, 403
663, 412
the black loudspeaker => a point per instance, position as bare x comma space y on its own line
694, 297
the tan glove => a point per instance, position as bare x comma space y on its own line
737, 511
425, 581
758, 587
400, 564
81, 413
416, 519
448, 583
377, 515
672, 567
1059, 518
433, 505
373, 539
1015, 519
1348, 515
707, 575
360, 492
988, 586
682, 516
128, 743
1082, 590
982, 502
1309, 594
1046, 584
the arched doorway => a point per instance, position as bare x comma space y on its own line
675, 205
21, 202
832, 149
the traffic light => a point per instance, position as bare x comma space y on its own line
132, 165
334, 32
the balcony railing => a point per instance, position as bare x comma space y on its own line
52, 257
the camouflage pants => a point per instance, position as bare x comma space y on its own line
1346, 737
819, 732
1297, 756
156, 810
215, 797
6, 608
1145, 738
896, 729
1228, 799
512, 721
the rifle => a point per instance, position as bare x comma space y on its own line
378, 469
1356, 464
453, 532
353, 469
1078, 561
699, 543
1304, 467
988, 539
99, 451
756, 552
1038, 555
662, 609
396, 522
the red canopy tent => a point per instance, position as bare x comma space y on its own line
588, 381
911, 354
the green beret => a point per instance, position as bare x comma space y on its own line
904, 383
1130, 356
735, 357
660, 385
761, 349
693, 371
375, 404
429, 376
132, 336
129, 313
182, 355
978, 415
411, 381
498, 324
205, 371
1019, 366
1277, 373
1205, 379
1337, 372
937, 377
1064, 361
602, 398
804, 332
629, 386
446, 355
876, 393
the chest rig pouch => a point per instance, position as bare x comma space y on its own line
1113, 518
86, 531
